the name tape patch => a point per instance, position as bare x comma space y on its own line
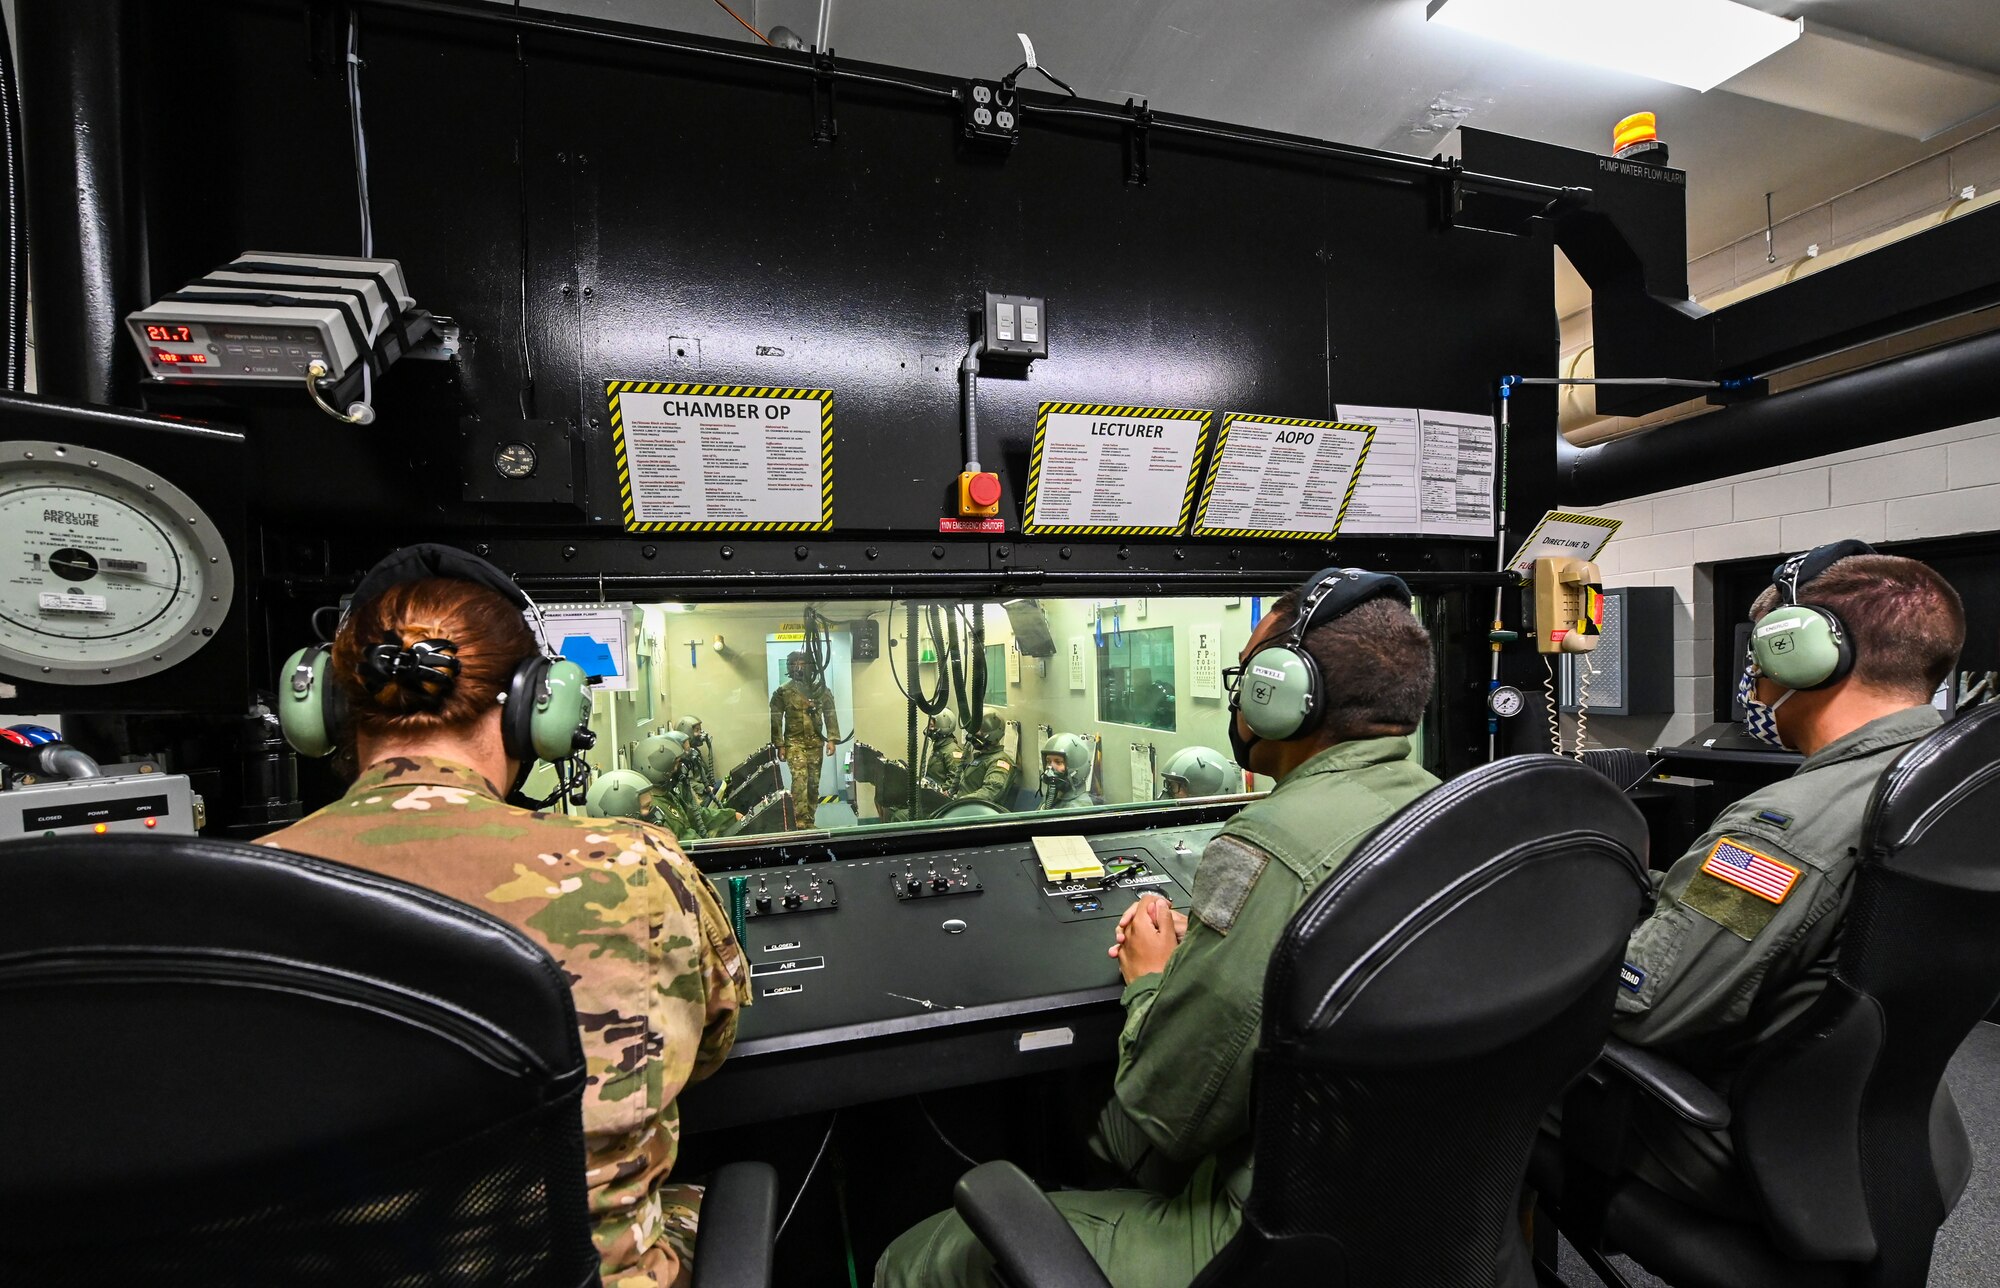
1631, 978
1267, 673
1751, 870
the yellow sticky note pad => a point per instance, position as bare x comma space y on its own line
1065, 858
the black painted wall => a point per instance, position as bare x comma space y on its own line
586, 208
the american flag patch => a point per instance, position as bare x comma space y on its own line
1760, 874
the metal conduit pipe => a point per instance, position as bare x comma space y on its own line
84, 199
1938, 388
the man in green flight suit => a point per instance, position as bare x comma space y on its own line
805, 725
988, 772
941, 768
1177, 1127
669, 766
1747, 928
947, 755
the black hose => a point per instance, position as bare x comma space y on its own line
819, 644
957, 663
14, 326
910, 654
977, 711
932, 703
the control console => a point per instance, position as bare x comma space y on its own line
931, 968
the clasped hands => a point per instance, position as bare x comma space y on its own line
1147, 935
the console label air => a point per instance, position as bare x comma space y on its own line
705, 458
1113, 470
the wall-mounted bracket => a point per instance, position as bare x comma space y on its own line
1138, 159
1448, 192
825, 127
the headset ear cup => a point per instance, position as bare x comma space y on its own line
564, 710
1280, 694
305, 696
1799, 646
517, 717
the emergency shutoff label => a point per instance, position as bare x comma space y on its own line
694, 458
1119, 470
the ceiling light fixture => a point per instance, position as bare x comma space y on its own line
1696, 43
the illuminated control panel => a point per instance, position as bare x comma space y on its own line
212, 350
155, 803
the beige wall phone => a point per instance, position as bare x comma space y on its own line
1569, 618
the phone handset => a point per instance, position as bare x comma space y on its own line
1569, 618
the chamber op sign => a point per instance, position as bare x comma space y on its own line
696, 458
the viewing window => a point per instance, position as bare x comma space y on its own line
1134, 705
1135, 678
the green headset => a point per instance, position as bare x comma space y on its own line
545, 704
1805, 646
1282, 693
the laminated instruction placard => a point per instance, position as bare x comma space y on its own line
1580, 536
1113, 470
1430, 473
699, 458
1274, 476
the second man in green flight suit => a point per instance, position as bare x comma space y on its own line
1177, 1126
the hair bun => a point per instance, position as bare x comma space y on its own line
410, 677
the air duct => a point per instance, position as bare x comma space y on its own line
1950, 385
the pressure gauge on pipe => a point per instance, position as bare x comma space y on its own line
110, 572
1505, 701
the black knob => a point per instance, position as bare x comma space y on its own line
763, 903
939, 883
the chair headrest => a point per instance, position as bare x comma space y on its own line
1935, 813
242, 906
1474, 915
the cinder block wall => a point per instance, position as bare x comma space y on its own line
1934, 485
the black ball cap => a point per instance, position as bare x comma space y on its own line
429, 559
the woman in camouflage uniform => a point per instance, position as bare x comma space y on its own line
657, 976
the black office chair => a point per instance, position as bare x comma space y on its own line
227, 1065
1425, 1007
1847, 1139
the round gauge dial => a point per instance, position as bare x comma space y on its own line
111, 572
1505, 701
514, 461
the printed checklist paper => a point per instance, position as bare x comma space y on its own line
1430, 473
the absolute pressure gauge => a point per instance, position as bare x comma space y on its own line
107, 571
514, 461
1505, 701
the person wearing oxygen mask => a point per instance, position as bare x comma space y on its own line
1846, 648
947, 754
988, 772
1194, 772
701, 744
687, 795
1066, 761
445, 696
806, 725
1354, 673
941, 766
